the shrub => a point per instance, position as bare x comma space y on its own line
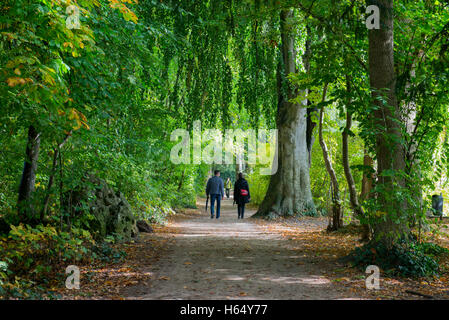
4, 274
409, 260
258, 185
33, 251
104, 252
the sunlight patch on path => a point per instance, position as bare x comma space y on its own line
228, 258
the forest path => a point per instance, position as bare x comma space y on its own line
231, 259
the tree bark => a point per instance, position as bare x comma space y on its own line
28, 180
367, 179
52, 175
311, 111
336, 221
289, 190
390, 154
353, 197
367, 186
181, 180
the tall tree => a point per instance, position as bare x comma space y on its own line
389, 149
289, 190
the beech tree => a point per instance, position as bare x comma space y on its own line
289, 190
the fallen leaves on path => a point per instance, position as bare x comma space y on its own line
309, 239
109, 280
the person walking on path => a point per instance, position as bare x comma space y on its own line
228, 186
241, 195
214, 188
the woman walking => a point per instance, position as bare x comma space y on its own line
241, 195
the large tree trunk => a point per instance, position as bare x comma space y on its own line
336, 221
289, 190
26, 188
390, 154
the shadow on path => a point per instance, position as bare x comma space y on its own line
228, 258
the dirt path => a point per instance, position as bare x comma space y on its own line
232, 259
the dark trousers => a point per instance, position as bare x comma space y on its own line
212, 202
227, 193
241, 210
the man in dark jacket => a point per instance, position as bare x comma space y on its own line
241, 195
215, 188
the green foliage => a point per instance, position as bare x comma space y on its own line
4, 274
34, 250
258, 185
404, 258
31, 255
185, 199
319, 178
339, 56
432, 249
118, 86
106, 253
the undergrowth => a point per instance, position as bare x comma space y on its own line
402, 259
33, 259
